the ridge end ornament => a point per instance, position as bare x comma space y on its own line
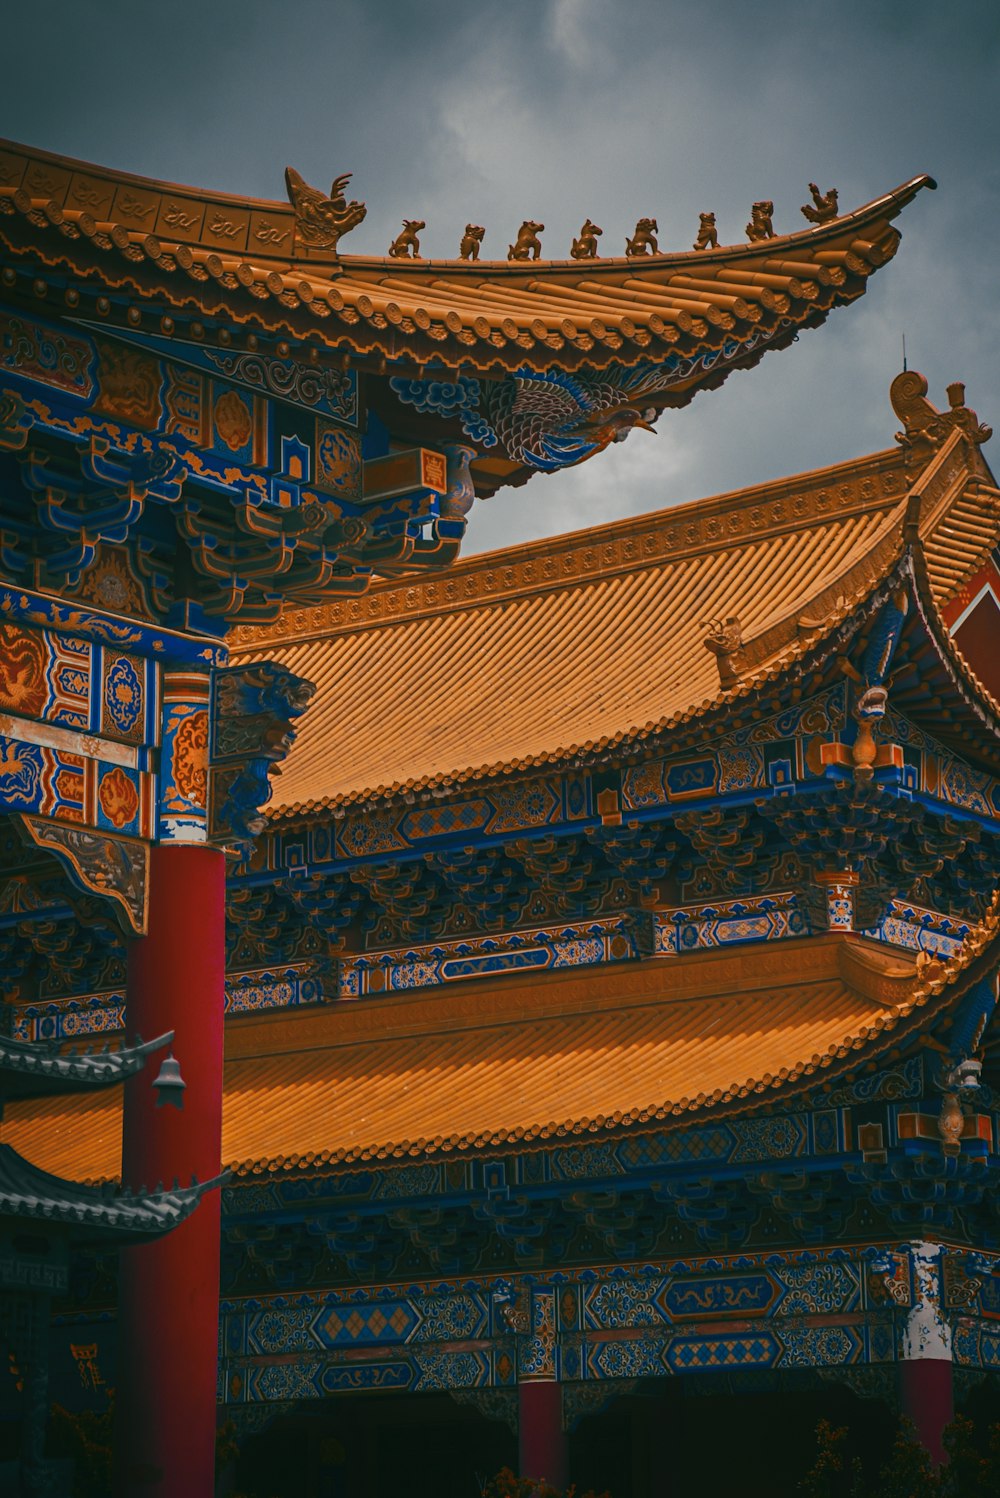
320, 221
924, 426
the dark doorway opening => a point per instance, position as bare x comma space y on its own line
378, 1446
670, 1442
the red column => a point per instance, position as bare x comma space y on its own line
168, 1310
926, 1398
541, 1438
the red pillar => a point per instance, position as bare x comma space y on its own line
541, 1438
168, 1309
926, 1398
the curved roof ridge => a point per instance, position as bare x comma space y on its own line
94, 174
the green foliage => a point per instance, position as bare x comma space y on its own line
972, 1469
909, 1472
86, 1439
834, 1475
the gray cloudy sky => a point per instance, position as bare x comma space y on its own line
497, 110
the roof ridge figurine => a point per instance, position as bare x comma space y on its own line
585, 247
823, 207
760, 225
406, 245
708, 235
320, 221
924, 426
527, 246
472, 241
643, 241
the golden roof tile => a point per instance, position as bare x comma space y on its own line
526, 656
497, 1062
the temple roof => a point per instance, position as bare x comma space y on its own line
503, 1061
537, 653
39, 1069
257, 262
95, 1214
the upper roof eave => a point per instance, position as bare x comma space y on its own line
168, 249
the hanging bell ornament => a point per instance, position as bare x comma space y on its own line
170, 1086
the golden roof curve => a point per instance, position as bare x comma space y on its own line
253, 261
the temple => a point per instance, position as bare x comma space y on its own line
582, 958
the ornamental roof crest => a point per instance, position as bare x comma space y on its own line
319, 220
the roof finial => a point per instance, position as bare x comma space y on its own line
904, 354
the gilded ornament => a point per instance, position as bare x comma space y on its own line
869, 710
118, 798
924, 426
708, 237
527, 245
823, 207
233, 421
643, 241
22, 671
585, 246
951, 1122
109, 584
321, 221
472, 241
190, 759
406, 245
760, 225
